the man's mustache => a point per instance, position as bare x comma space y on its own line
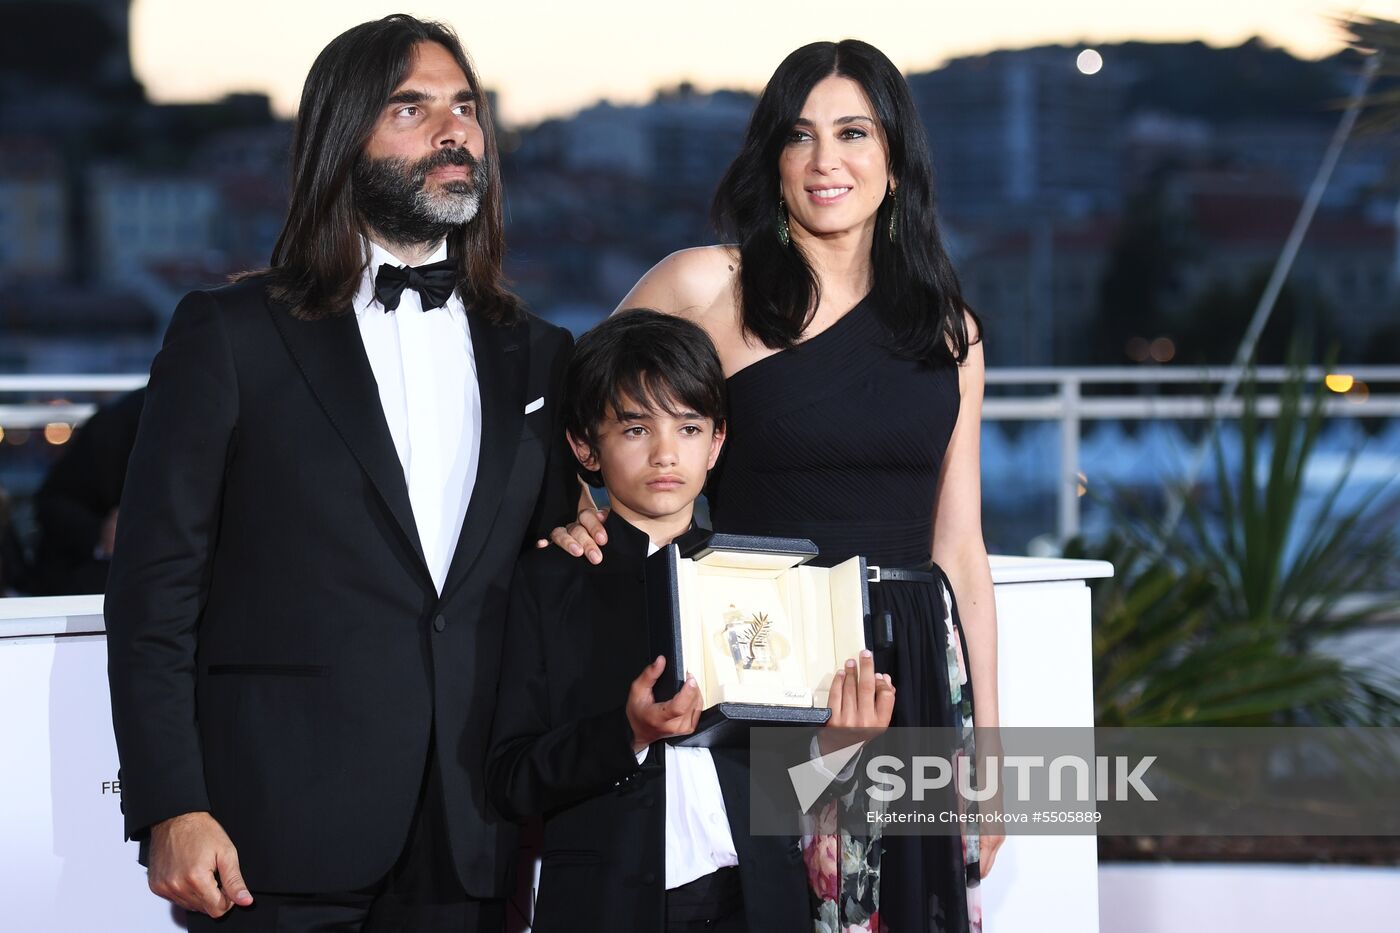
443, 158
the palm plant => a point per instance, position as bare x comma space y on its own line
1379, 37
1219, 621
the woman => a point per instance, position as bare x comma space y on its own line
855, 376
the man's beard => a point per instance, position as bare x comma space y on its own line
392, 197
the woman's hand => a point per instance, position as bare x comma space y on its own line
989, 840
585, 537
989, 752
861, 702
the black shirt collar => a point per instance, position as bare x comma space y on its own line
626, 540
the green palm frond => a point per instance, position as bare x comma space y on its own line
1373, 36
1219, 621
1379, 38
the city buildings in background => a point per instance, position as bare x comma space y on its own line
1096, 200
1118, 205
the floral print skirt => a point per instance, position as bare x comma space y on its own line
903, 884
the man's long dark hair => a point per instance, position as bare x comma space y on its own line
916, 291
320, 255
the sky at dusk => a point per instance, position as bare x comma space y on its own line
550, 58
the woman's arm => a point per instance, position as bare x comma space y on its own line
685, 284
959, 549
958, 546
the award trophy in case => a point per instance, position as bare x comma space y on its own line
760, 628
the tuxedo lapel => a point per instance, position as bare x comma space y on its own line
502, 365
332, 358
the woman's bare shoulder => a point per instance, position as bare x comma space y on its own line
688, 282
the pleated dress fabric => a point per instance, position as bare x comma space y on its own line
840, 440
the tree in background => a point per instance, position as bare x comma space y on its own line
1208, 331
1142, 284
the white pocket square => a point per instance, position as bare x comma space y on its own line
536, 405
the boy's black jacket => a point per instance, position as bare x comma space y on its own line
561, 746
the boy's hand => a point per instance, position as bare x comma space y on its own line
652, 721
861, 702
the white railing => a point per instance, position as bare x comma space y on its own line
1068, 403
58, 407
1067, 395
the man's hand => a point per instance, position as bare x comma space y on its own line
194, 864
652, 721
861, 702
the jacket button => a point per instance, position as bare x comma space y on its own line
649, 878
439, 624
647, 801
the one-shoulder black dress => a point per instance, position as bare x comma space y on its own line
839, 440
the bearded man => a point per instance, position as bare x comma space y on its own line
339, 460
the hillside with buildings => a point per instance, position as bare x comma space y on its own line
1122, 216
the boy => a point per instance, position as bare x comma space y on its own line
636, 837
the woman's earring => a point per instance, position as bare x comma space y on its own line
894, 217
784, 235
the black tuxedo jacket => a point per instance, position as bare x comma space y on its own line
277, 649
561, 746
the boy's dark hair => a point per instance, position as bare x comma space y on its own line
661, 362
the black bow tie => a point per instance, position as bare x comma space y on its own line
433, 283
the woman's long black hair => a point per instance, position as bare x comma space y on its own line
320, 254
916, 291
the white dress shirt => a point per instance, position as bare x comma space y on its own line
426, 372
698, 840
